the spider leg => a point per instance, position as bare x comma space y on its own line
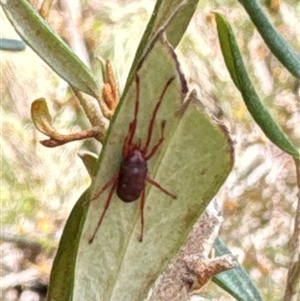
133, 124
128, 140
113, 181
110, 182
157, 145
152, 121
142, 214
153, 182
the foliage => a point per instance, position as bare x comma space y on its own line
127, 119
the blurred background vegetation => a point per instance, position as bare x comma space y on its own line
40, 185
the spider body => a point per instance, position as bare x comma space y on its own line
130, 181
132, 177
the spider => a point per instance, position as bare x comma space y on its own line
130, 181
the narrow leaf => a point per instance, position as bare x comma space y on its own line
62, 274
236, 282
12, 45
273, 38
37, 33
240, 77
89, 160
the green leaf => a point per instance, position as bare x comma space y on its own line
89, 160
240, 77
190, 164
37, 33
12, 45
236, 282
273, 38
62, 274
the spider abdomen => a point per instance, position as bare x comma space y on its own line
132, 177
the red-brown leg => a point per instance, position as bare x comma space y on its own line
157, 145
153, 182
128, 140
133, 124
106, 205
110, 182
152, 121
142, 215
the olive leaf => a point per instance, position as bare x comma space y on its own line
241, 79
89, 160
288, 56
236, 281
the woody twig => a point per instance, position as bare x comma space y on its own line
192, 268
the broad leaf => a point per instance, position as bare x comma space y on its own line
190, 164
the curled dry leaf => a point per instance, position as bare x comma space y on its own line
41, 117
43, 122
